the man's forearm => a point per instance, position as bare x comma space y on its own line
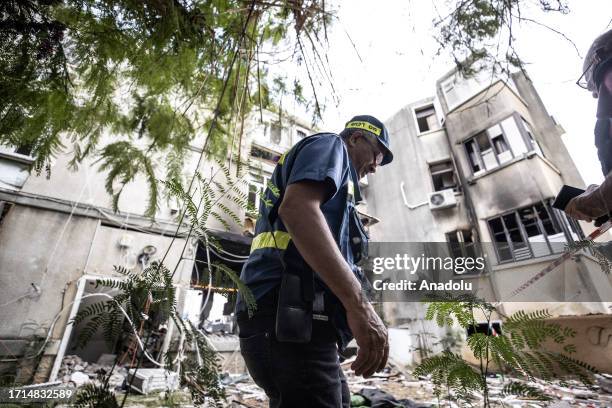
314, 241
596, 201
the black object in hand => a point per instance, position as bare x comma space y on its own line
564, 197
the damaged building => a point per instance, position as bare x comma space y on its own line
477, 167
59, 235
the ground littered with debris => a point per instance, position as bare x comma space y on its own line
394, 387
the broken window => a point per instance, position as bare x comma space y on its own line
531, 140
426, 119
264, 154
443, 175
530, 232
500, 143
488, 329
461, 244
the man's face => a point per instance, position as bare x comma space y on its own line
365, 153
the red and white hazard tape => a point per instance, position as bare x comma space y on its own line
567, 255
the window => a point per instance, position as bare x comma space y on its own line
481, 154
301, 134
531, 232
461, 244
443, 175
500, 143
533, 144
426, 119
256, 189
264, 154
23, 150
489, 329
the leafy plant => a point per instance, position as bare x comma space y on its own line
134, 83
522, 348
480, 34
147, 298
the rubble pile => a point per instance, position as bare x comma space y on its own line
395, 387
76, 372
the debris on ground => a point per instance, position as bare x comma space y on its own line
76, 372
393, 387
396, 387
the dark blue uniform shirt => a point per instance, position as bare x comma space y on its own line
318, 157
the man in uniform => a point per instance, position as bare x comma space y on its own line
596, 201
302, 272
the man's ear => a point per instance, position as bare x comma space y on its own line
352, 139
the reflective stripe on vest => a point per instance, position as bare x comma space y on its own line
279, 240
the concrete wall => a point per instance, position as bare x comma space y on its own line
35, 244
53, 250
410, 168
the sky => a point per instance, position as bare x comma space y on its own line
382, 56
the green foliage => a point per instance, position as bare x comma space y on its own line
449, 371
92, 395
150, 296
523, 348
201, 373
586, 244
152, 287
134, 83
479, 33
521, 389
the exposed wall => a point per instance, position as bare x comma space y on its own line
32, 252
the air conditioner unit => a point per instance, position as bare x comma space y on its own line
442, 199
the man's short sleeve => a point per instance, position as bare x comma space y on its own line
323, 158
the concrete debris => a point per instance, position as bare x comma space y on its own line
395, 383
399, 386
79, 378
76, 372
148, 380
605, 382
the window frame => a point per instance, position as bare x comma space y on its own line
472, 139
265, 150
457, 187
555, 217
432, 106
525, 129
463, 246
259, 182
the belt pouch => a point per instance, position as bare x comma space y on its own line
294, 310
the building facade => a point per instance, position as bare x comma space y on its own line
477, 167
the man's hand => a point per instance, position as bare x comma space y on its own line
588, 205
371, 337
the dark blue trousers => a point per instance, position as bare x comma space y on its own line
293, 374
